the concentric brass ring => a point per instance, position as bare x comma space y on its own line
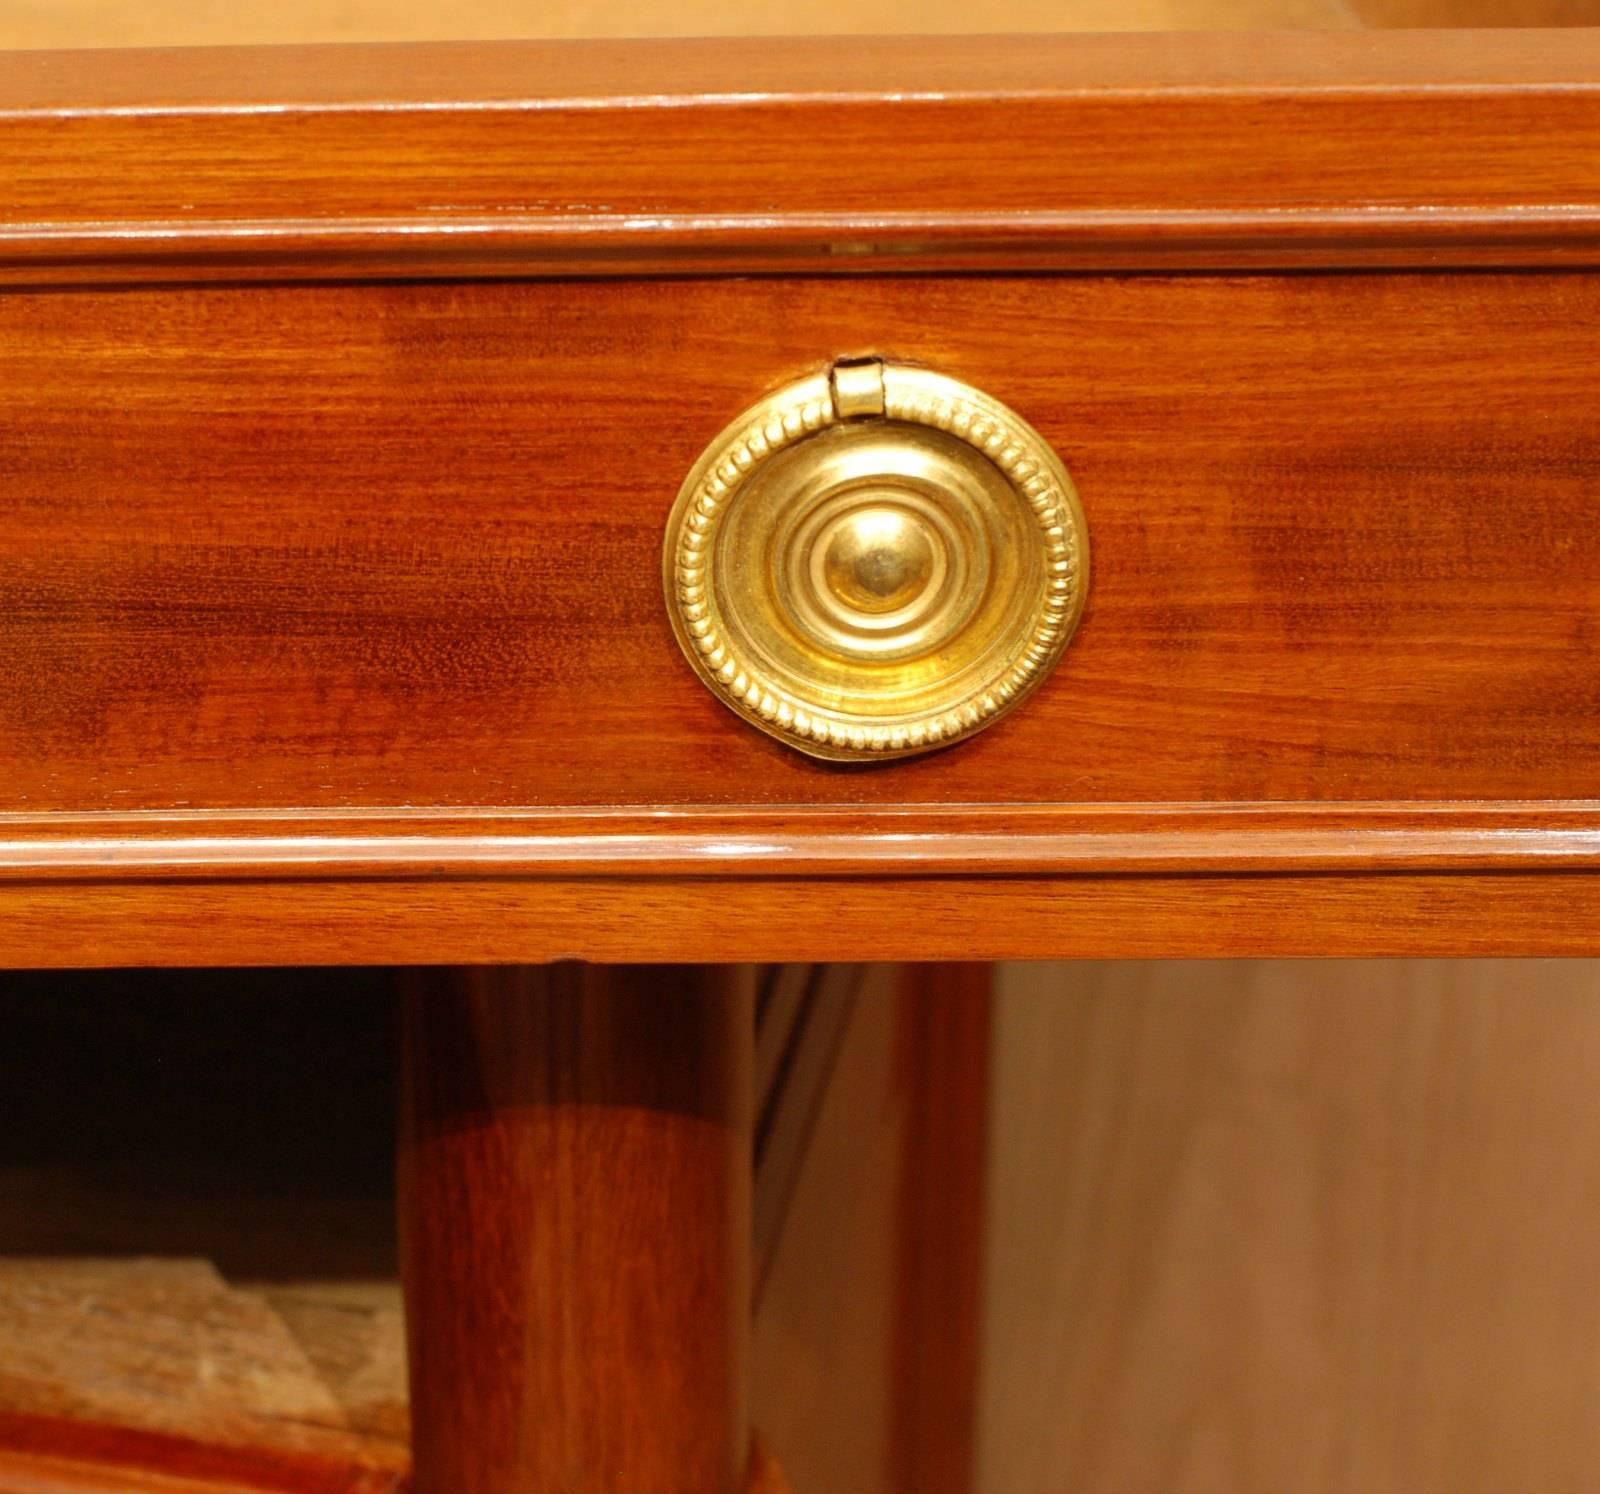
875, 561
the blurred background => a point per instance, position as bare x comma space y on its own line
150, 23
1250, 1227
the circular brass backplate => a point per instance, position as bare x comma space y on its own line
875, 561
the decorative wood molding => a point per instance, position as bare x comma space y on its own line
511, 921
918, 841
1062, 152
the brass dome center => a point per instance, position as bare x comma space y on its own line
879, 559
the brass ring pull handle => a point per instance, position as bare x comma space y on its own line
875, 561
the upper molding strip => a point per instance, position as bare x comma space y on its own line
1165, 151
917, 841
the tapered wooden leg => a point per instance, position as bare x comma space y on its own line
574, 1224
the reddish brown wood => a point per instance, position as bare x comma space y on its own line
937, 840
575, 1217
766, 1475
291, 555
299, 554
945, 1021
888, 917
525, 886
1079, 151
330, 546
57, 1455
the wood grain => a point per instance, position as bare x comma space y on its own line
627, 158
1327, 1229
574, 1207
936, 840
1349, 545
328, 546
771, 919
946, 1018
159, 1369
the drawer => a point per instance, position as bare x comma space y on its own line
342, 415
286, 546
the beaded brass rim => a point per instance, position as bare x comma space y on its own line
875, 561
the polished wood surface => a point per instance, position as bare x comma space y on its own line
328, 626
777, 918
574, 1229
326, 546
1327, 1229
1086, 152
993, 840
280, 558
944, 1052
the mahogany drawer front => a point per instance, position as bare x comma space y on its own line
399, 544
342, 412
